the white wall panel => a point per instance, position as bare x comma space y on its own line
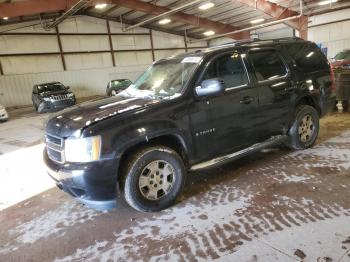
15, 90
15, 44
25, 27
83, 24
85, 61
164, 40
87, 74
117, 28
30, 64
133, 58
335, 36
159, 54
123, 42
196, 44
84, 43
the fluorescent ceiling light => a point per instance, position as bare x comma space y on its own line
257, 21
206, 6
101, 6
326, 2
164, 21
209, 33
5, 18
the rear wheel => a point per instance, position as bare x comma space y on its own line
305, 128
153, 179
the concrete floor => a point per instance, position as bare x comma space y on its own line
275, 205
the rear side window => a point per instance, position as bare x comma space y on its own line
228, 68
268, 64
307, 57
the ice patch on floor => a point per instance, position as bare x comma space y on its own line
52, 223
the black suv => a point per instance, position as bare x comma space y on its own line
189, 112
48, 97
116, 86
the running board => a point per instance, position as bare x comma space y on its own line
274, 140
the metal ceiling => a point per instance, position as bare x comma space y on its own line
229, 12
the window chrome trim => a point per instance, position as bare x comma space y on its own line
235, 87
266, 81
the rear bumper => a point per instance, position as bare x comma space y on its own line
3, 115
329, 104
93, 184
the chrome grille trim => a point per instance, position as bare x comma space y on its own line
59, 97
54, 144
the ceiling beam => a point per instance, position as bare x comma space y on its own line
152, 9
152, 27
279, 12
32, 7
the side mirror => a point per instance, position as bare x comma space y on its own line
210, 87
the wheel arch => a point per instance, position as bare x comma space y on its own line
171, 140
310, 101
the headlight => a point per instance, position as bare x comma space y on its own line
82, 149
47, 99
70, 95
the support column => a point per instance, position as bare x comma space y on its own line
303, 27
61, 50
151, 39
110, 42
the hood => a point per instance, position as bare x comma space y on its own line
339, 63
52, 93
73, 119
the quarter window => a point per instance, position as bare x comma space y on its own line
228, 68
308, 57
268, 65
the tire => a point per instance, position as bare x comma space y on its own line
303, 133
148, 171
35, 107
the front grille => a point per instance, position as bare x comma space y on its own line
54, 147
59, 97
54, 139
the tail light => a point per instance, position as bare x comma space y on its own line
333, 86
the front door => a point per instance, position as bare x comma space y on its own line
223, 123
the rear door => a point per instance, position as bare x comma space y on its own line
272, 77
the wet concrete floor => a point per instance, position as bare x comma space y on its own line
275, 205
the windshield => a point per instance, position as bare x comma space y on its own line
164, 79
343, 56
120, 83
51, 87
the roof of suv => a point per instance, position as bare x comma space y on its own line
244, 43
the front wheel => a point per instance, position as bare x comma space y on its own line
305, 128
153, 179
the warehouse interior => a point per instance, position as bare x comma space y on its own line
273, 205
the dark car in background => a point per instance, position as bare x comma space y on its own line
53, 96
116, 86
341, 69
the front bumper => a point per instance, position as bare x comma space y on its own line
93, 184
3, 115
47, 106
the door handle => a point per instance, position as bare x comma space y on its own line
246, 100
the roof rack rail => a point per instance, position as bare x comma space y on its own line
248, 41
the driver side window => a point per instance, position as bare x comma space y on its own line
230, 69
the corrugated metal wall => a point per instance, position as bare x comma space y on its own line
88, 73
324, 29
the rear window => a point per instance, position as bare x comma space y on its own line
308, 57
345, 55
268, 64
